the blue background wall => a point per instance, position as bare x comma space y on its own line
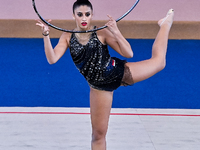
26, 79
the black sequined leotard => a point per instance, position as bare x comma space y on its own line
93, 60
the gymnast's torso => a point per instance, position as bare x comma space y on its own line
94, 62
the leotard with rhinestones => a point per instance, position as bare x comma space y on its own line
94, 62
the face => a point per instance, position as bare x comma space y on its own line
83, 16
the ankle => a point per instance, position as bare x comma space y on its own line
168, 20
166, 27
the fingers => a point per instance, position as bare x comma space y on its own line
40, 22
111, 21
44, 27
49, 20
110, 17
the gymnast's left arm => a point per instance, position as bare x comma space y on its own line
116, 40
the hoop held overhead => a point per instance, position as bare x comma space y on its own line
72, 31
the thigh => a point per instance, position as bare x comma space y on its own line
100, 107
143, 70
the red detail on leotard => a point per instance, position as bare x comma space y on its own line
113, 62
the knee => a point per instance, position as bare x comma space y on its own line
99, 135
162, 65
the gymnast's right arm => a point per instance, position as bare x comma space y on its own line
53, 54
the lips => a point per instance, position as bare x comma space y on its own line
84, 23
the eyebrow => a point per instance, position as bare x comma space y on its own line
83, 12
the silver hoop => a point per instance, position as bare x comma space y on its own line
72, 31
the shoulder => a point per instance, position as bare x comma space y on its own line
104, 32
103, 35
66, 36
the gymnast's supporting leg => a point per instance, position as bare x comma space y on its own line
100, 106
101, 101
147, 68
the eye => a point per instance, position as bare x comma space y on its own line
87, 14
79, 14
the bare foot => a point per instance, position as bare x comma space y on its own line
168, 19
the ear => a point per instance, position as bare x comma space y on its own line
73, 16
92, 14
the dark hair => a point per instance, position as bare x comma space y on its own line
79, 3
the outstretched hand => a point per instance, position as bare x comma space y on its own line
45, 28
112, 25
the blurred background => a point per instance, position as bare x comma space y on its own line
27, 80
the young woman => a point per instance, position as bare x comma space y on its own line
103, 73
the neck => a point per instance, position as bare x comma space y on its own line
83, 34
83, 38
80, 35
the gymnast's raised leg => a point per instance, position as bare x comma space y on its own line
144, 69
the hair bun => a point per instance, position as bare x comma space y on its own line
78, 1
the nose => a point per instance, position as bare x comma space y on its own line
84, 18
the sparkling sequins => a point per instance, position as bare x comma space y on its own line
94, 62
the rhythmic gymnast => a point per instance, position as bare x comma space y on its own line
104, 73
